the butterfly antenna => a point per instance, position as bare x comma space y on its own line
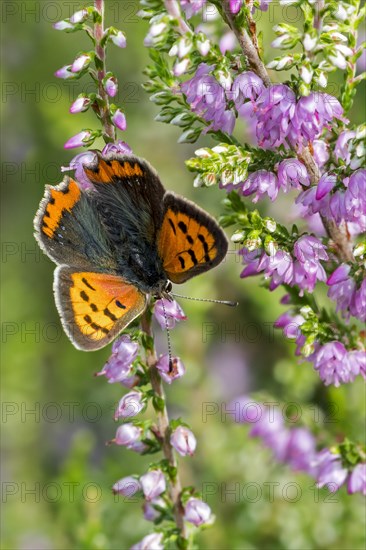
168, 336
223, 302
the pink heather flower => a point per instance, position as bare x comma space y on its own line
64, 72
341, 149
127, 435
79, 140
357, 362
154, 541
292, 174
173, 313
118, 366
183, 441
313, 113
207, 99
244, 409
321, 153
119, 120
235, 6
153, 484
181, 66
80, 63
79, 16
130, 405
227, 42
62, 25
275, 108
111, 86
170, 371
279, 266
247, 86
82, 159
290, 324
191, 7
261, 183
310, 249
357, 480
342, 288
300, 451
127, 486
358, 303
120, 147
197, 511
119, 39
80, 105
330, 360
355, 196
152, 509
329, 470
325, 185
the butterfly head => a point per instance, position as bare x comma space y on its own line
165, 291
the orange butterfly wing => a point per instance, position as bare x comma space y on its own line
95, 307
190, 241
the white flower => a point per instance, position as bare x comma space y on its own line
309, 42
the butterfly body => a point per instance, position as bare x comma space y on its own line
118, 242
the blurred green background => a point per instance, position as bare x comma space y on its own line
57, 472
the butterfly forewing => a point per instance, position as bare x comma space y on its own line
190, 241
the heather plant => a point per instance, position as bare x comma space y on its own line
276, 130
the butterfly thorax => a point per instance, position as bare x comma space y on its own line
143, 267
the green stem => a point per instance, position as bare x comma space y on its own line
164, 428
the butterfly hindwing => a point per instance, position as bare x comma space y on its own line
95, 307
69, 229
190, 241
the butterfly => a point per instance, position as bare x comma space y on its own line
118, 243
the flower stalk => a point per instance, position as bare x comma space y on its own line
163, 429
103, 106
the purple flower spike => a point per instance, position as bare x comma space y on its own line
170, 370
325, 185
310, 249
275, 109
128, 435
80, 63
130, 405
197, 512
292, 174
127, 486
207, 99
79, 140
154, 541
80, 104
183, 441
119, 120
173, 313
111, 86
119, 39
153, 484
357, 480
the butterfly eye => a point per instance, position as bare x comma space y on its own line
168, 286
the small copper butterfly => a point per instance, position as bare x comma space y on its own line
119, 242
